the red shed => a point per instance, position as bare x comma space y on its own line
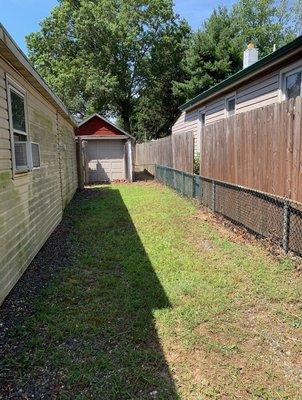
106, 150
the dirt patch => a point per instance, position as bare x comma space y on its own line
20, 304
240, 235
247, 359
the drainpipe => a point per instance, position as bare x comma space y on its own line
129, 159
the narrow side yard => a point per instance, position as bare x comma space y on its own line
152, 302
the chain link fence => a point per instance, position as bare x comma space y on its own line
263, 214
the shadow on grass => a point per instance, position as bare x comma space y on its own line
93, 333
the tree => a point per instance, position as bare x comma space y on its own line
157, 107
97, 55
216, 50
296, 11
211, 55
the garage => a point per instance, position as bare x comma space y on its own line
106, 160
105, 151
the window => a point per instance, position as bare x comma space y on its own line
18, 112
230, 106
203, 118
18, 126
293, 84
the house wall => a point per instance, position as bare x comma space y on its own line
31, 204
259, 92
187, 123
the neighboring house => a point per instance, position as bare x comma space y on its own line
38, 172
106, 150
272, 79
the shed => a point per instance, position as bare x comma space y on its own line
105, 151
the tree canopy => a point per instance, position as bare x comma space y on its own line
137, 61
99, 55
216, 50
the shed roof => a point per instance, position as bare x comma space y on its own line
12, 53
247, 73
122, 131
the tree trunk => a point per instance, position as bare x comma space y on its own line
125, 112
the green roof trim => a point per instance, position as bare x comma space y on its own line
244, 72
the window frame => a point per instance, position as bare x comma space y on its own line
285, 75
295, 66
202, 117
11, 85
227, 99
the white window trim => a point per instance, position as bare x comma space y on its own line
228, 98
201, 111
297, 66
11, 84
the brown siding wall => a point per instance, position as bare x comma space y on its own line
31, 203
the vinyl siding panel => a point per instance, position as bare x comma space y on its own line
260, 93
215, 111
31, 204
68, 162
188, 122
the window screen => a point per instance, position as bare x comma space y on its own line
35, 151
293, 85
18, 112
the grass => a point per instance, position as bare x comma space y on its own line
158, 304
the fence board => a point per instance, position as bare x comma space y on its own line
259, 149
175, 151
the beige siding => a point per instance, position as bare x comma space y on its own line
215, 111
31, 203
257, 94
67, 146
188, 122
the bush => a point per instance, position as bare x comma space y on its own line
196, 165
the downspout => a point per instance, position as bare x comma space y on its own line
129, 159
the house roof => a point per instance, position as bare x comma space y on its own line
123, 132
12, 53
246, 73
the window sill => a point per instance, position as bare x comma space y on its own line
21, 173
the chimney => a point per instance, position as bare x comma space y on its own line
250, 55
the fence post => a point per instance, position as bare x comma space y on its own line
193, 187
183, 183
285, 240
213, 195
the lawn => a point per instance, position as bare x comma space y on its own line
156, 303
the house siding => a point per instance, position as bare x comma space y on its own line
188, 122
31, 204
259, 92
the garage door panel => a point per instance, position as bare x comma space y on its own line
105, 160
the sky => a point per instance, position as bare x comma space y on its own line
21, 17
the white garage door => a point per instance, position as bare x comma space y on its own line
106, 160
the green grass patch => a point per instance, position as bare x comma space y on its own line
156, 303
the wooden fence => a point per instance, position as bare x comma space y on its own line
175, 151
260, 149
